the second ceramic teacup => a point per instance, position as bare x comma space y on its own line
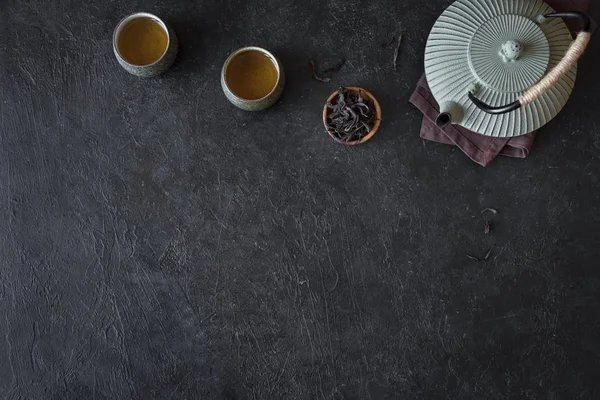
252, 78
144, 45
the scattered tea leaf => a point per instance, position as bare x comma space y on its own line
490, 210
487, 227
397, 52
485, 259
314, 72
487, 256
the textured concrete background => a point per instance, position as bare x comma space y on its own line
155, 242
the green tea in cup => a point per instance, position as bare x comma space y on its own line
251, 75
144, 45
142, 41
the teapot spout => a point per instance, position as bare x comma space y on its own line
450, 113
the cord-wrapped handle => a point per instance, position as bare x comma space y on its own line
575, 51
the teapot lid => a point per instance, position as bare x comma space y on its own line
499, 48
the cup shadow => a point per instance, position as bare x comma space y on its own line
191, 57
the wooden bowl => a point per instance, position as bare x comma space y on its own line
367, 95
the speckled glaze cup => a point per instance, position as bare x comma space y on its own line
157, 67
258, 104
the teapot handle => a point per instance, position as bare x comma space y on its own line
575, 51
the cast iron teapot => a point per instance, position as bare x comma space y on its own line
502, 68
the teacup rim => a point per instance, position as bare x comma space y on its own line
130, 17
244, 50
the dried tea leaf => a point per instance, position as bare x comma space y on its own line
487, 227
490, 210
487, 256
352, 116
397, 52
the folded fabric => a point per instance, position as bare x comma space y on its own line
479, 148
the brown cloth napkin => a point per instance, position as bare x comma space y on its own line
481, 149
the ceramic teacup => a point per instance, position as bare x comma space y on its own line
252, 104
155, 65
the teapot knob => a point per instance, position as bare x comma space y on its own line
510, 51
553, 77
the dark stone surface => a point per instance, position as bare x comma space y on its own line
155, 242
